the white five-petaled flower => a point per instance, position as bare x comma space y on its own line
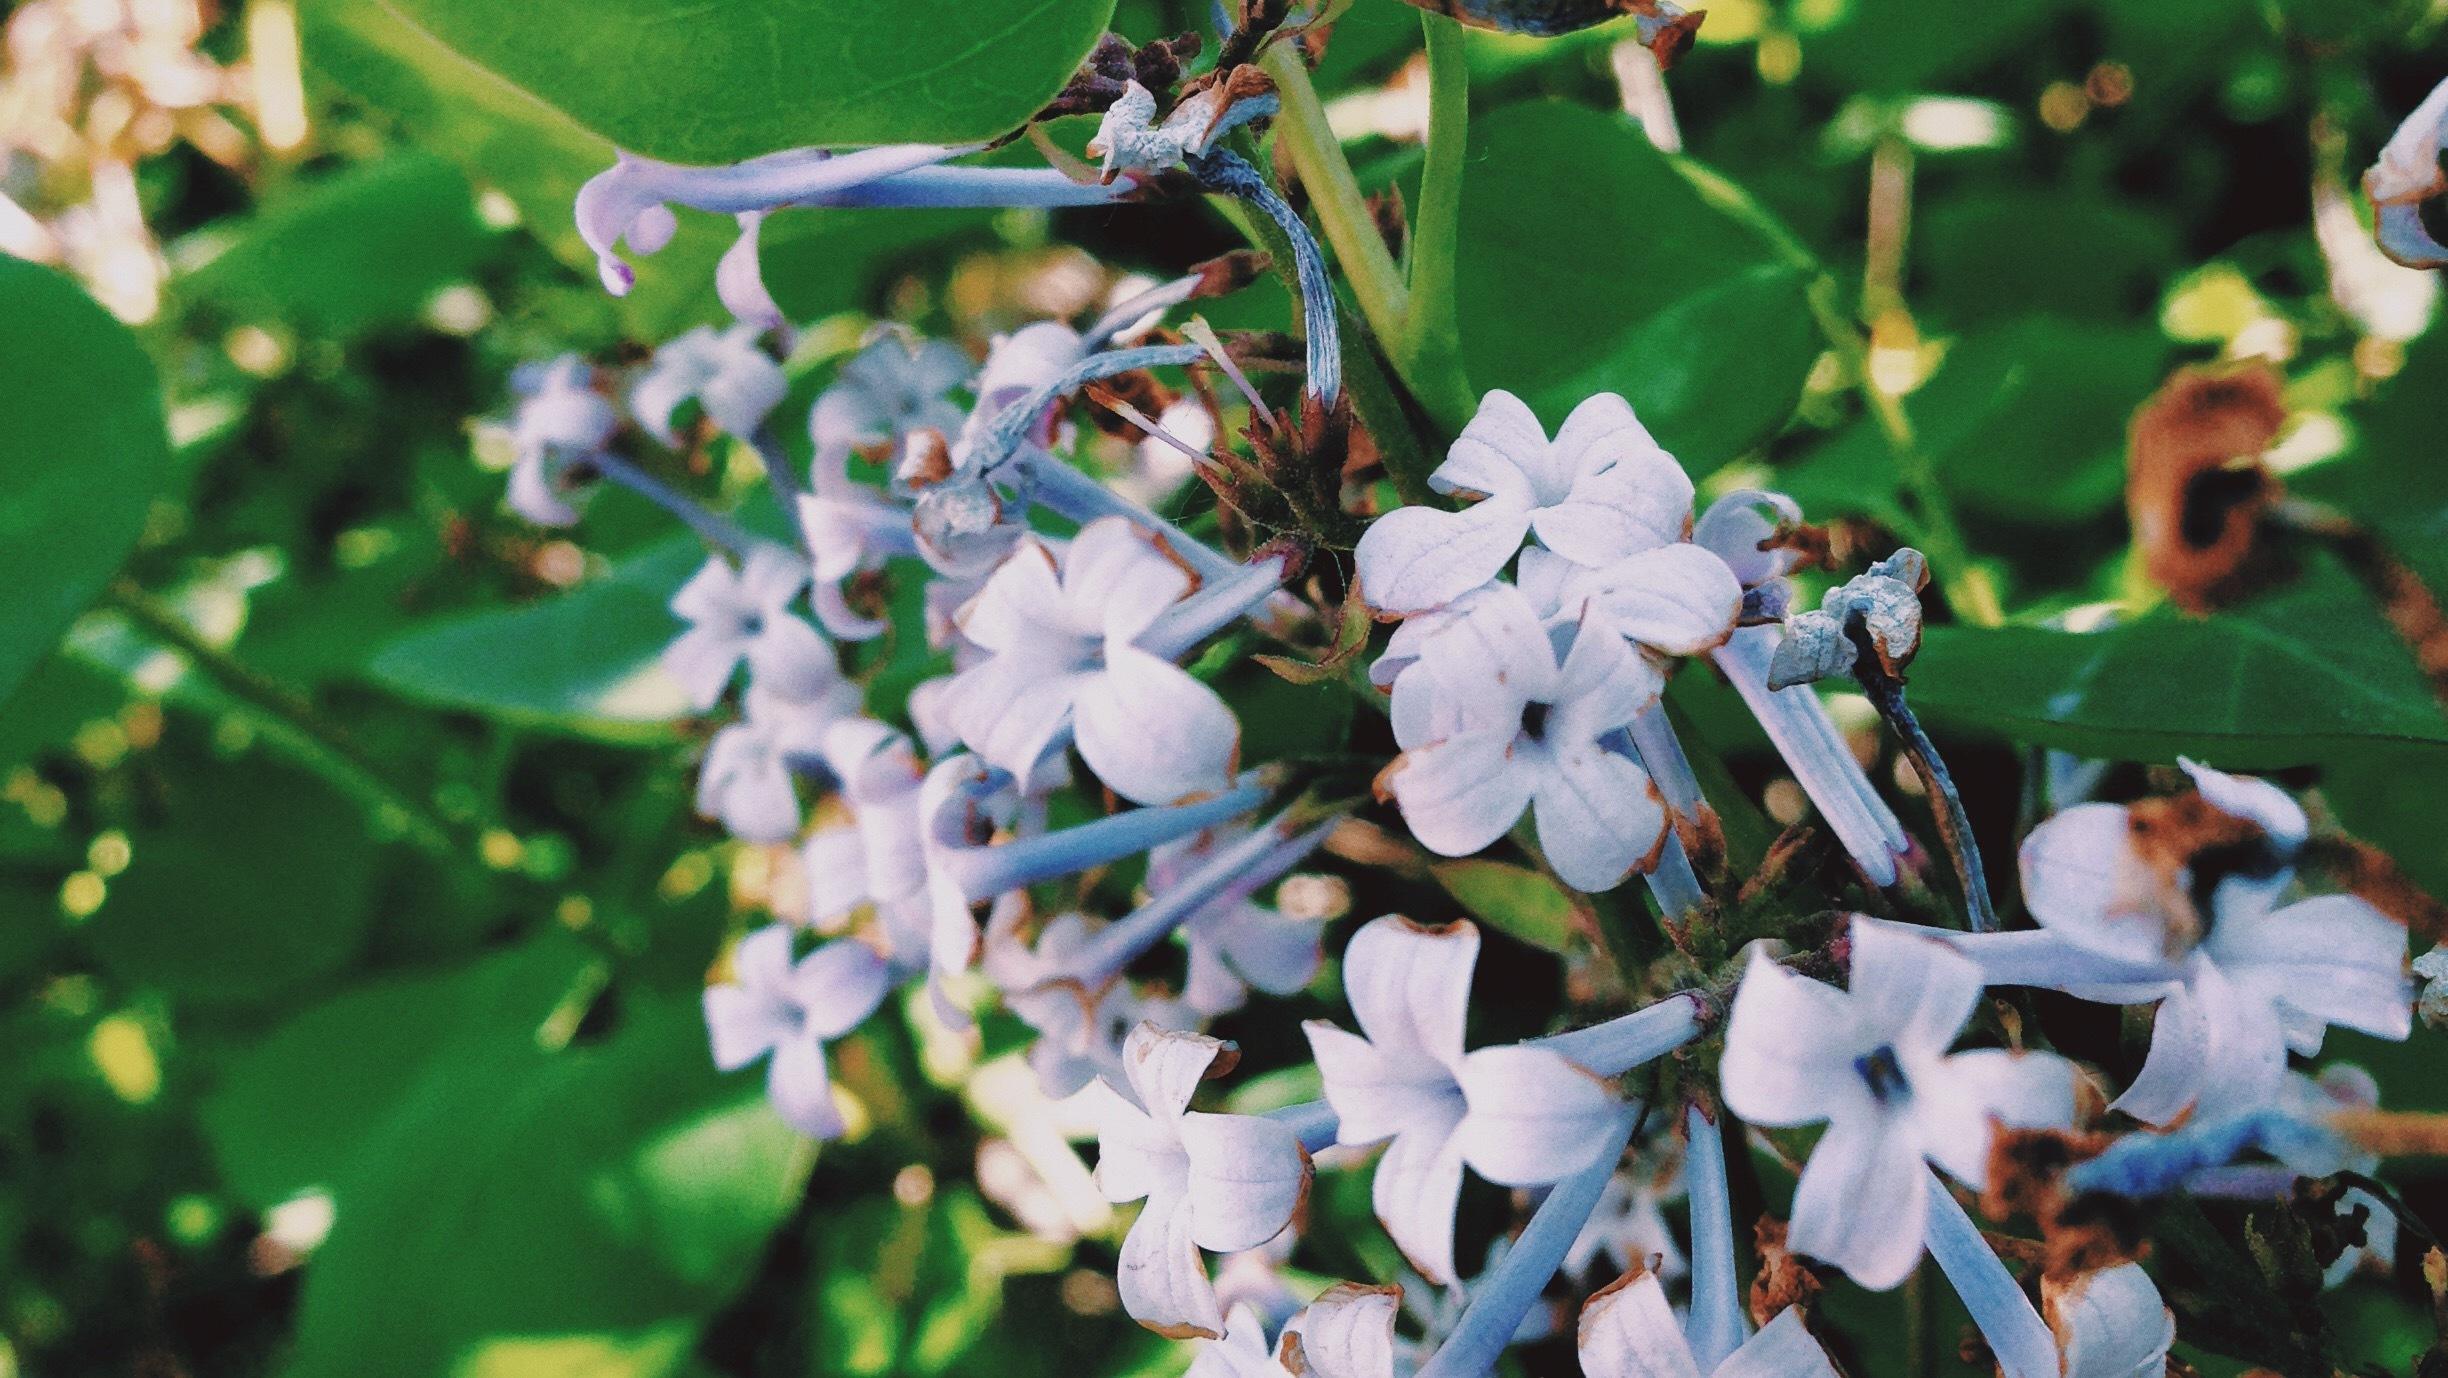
1061, 633
1872, 1062
1499, 714
1601, 494
1518, 1115
1348, 1332
561, 420
1628, 1331
2128, 915
1235, 942
790, 1010
895, 384
1219, 1183
728, 373
744, 614
746, 777
1131, 139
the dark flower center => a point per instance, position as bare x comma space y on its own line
1534, 720
1884, 1074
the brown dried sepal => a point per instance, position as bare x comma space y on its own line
2195, 488
2374, 877
1114, 64
1783, 1279
1226, 274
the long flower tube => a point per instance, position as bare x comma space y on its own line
1216, 606
1073, 494
1139, 306
2017, 1336
714, 529
1505, 1294
1003, 436
1798, 725
1313, 1122
1716, 1328
986, 871
1673, 882
631, 199
1228, 172
2145, 1165
1232, 874
1625, 1042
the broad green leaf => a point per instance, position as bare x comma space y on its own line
2300, 675
1898, 46
249, 879
621, 1188
2026, 420
584, 661
508, 139
2392, 477
1591, 264
82, 453
693, 83
1512, 899
366, 248
297, 1109
2000, 252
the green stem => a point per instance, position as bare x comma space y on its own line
321, 741
1334, 194
1430, 348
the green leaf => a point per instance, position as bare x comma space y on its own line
250, 880
1590, 263
368, 247
2300, 675
82, 452
1512, 899
696, 83
583, 662
2008, 251
298, 1109
2026, 420
508, 139
604, 1197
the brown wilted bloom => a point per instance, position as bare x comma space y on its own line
1783, 1279
2027, 1169
2195, 488
2188, 847
2373, 876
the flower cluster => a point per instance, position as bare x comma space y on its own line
1076, 724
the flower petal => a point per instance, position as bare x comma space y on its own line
700, 660
1460, 794
1248, 1177
1409, 986
741, 1026
1910, 990
800, 1089
1115, 580
2110, 1324
1415, 1191
1958, 1097
1151, 732
1165, 1067
2334, 958
2082, 879
1783, 1348
1502, 452
1861, 1204
1414, 559
1348, 1332
1162, 1279
1535, 1116
1628, 1331
1677, 598
1790, 1045
1598, 818
839, 985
